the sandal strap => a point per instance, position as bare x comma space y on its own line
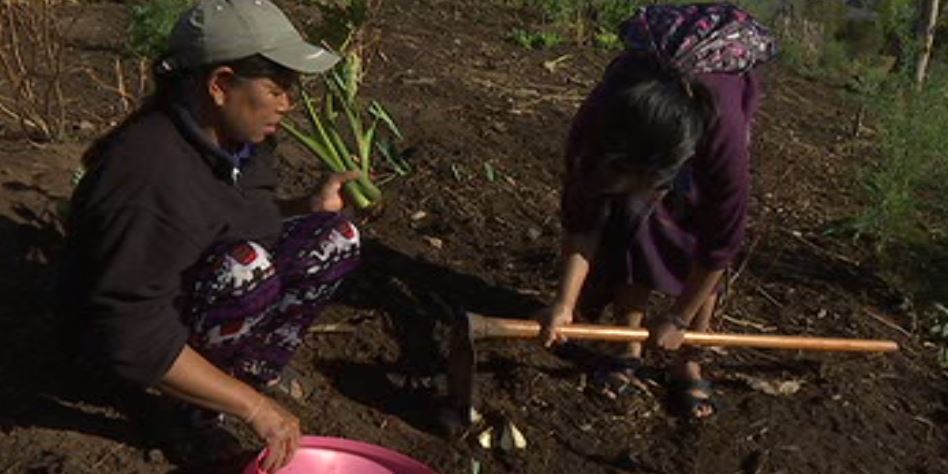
617, 376
687, 402
285, 384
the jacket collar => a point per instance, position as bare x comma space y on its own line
225, 165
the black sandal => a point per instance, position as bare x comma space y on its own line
685, 403
617, 377
290, 383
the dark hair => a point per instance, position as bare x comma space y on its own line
656, 124
173, 85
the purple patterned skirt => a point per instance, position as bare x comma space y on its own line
248, 307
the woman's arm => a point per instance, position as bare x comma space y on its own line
699, 285
195, 380
328, 199
579, 250
668, 332
722, 172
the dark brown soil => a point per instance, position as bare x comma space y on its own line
467, 98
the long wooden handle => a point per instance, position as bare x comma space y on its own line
484, 327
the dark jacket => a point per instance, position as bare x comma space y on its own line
157, 197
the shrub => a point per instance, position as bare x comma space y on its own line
913, 139
151, 24
595, 21
536, 40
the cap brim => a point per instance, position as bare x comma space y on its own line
302, 57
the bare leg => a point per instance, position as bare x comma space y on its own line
684, 367
629, 306
619, 376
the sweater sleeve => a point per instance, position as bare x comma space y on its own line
723, 178
134, 268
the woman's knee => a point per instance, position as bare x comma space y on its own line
328, 231
339, 239
349, 232
236, 265
321, 245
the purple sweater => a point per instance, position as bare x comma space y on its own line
705, 223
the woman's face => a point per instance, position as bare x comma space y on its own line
250, 109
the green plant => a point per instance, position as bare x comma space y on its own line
913, 140
609, 14
344, 131
536, 40
764, 10
151, 24
833, 57
608, 40
594, 21
793, 54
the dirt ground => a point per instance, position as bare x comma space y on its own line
467, 98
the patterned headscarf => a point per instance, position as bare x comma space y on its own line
695, 39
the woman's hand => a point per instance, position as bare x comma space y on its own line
665, 334
551, 319
329, 198
278, 428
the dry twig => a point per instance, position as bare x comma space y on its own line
32, 65
749, 324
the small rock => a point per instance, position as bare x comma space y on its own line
85, 126
475, 416
533, 233
773, 387
511, 438
434, 242
485, 439
419, 215
155, 456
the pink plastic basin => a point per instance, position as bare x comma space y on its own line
323, 455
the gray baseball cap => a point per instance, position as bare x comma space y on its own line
216, 31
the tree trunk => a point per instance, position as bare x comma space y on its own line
929, 22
